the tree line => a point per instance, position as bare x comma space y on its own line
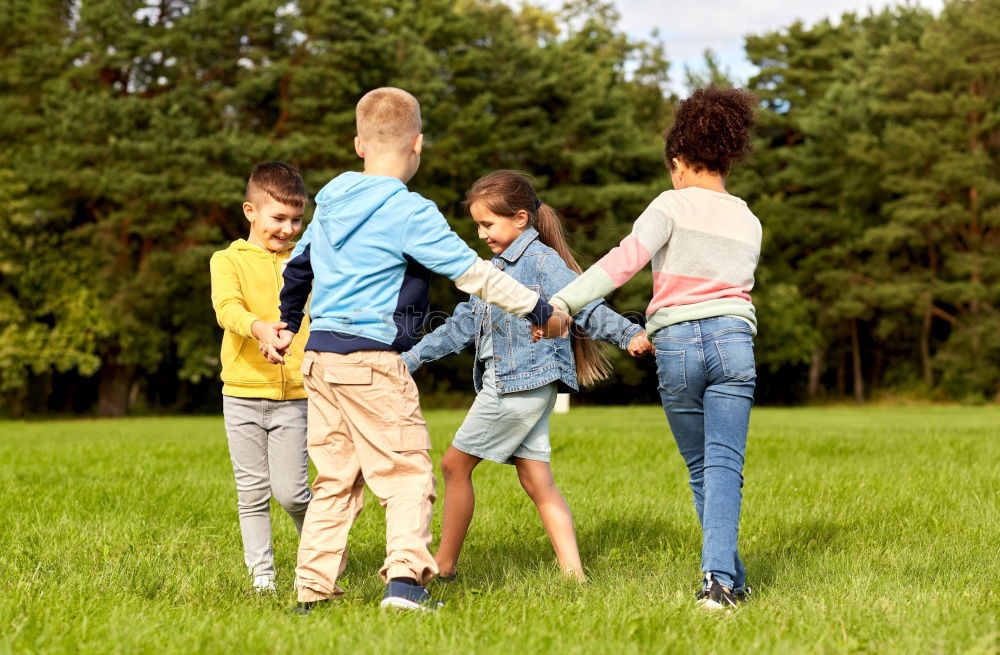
127, 129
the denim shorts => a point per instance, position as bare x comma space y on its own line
500, 427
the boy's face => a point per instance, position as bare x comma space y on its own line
498, 231
272, 223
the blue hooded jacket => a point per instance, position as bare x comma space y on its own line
367, 257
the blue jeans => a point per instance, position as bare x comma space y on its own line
707, 378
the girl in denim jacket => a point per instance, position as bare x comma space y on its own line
516, 380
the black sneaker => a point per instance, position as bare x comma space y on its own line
714, 597
743, 595
303, 609
449, 577
405, 596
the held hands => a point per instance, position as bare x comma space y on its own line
557, 326
640, 345
275, 349
274, 340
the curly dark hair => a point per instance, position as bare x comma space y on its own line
711, 129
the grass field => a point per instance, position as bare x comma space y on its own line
864, 531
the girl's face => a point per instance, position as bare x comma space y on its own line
498, 231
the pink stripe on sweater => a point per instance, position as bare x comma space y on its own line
671, 290
624, 260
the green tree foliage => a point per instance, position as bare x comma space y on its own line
127, 131
875, 174
941, 165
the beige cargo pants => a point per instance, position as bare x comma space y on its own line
364, 426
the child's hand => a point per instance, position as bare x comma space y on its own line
273, 340
557, 326
275, 349
266, 332
283, 344
640, 345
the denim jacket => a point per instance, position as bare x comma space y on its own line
520, 364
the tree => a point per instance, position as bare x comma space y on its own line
131, 127
939, 97
812, 181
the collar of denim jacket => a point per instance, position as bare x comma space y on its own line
520, 244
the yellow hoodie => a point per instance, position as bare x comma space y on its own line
246, 281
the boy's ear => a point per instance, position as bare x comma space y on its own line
249, 211
359, 148
418, 144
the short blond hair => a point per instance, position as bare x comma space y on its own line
388, 117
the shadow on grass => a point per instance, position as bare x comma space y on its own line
789, 549
612, 544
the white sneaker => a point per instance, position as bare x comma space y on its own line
264, 584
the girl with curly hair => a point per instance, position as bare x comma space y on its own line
704, 244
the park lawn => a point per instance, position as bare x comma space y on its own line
864, 530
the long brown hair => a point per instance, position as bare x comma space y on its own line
505, 193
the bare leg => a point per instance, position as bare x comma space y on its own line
536, 478
459, 504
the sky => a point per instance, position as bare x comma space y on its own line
689, 27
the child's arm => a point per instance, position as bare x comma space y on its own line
227, 298
650, 232
297, 278
596, 318
296, 286
451, 338
429, 240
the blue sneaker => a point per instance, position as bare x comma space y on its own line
405, 596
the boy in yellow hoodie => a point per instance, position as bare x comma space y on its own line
264, 406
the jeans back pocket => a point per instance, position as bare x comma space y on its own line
670, 367
737, 358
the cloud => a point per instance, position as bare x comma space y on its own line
689, 28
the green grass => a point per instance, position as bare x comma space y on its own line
868, 531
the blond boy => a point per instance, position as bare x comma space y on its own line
367, 258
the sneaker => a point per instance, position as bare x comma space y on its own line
743, 595
303, 609
448, 577
264, 584
714, 597
405, 596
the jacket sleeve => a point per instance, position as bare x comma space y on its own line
429, 240
596, 319
297, 283
650, 233
452, 337
227, 297
608, 325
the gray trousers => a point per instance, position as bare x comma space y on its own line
267, 445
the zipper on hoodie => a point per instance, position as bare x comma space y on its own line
277, 281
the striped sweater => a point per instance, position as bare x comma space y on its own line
704, 246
